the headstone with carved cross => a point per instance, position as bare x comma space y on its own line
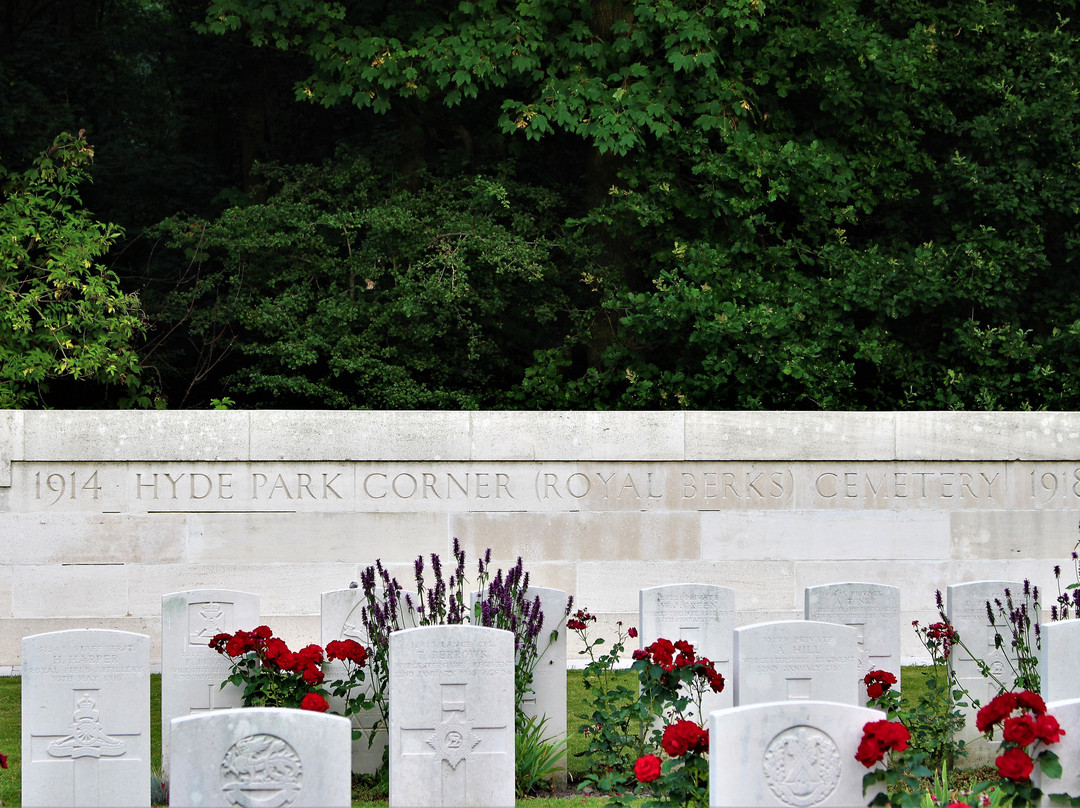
701, 614
342, 619
452, 717
191, 671
796, 660
873, 610
965, 606
792, 753
86, 718
261, 757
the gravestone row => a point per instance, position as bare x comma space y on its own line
86, 695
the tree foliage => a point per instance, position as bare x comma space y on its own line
63, 316
343, 291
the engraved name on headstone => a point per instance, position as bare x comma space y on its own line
191, 671
873, 610
451, 717
86, 718
796, 660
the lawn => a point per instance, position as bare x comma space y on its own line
10, 722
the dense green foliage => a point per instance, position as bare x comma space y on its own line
591, 203
61, 314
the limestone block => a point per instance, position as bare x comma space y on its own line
578, 435
90, 538
987, 435
790, 435
70, 590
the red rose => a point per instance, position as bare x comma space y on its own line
276, 650
998, 708
575, 625
3, 761
1014, 764
631, 632
315, 703
312, 674
1019, 730
219, 641
236, 645
262, 632
1047, 729
647, 768
684, 736
877, 682
310, 654
869, 752
640, 654
1027, 700
880, 737
662, 652
346, 649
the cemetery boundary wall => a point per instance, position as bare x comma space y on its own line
103, 512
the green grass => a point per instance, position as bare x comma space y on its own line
10, 721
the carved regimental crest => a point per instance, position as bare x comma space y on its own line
261, 771
453, 741
802, 766
87, 738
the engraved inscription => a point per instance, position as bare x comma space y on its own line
802, 766
261, 771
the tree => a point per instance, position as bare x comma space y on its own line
63, 317
831, 204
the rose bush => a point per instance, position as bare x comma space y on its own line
272, 675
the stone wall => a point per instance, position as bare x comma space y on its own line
102, 512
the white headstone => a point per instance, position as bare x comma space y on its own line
86, 718
796, 660
342, 619
1068, 751
547, 698
1059, 661
191, 671
873, 610
788, 754
965, 606
451, 717
701, 614
261, 757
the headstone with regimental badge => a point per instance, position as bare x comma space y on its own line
452, 717
965, 607
701, 614
191, 671
86, 718
342, 619
791, 753
261, 757
873, 610
796, 660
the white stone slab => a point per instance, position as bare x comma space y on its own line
342, 619
701, 614
873, 610
796, 660
86, 719
1059, 661
261, 757
547, 697
788, 754
451, 717
191, 672
965, 606
1067, 712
